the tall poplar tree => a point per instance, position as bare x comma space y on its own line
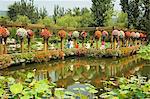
99, 9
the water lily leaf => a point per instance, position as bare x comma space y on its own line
25, 97
16, 88
30, 75
105, 96
1, 92
69, 93
11, 80
124, 86
93, 91
2, 78
41, 88
59, 93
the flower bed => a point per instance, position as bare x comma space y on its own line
42, 56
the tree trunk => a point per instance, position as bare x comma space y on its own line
82, 43
1, 46
45, 44
115, 43
136, 42
29, 50
22, 46
97, 44
74, 43
5, 45
61, 44
127, 43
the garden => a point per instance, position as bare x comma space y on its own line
75, 53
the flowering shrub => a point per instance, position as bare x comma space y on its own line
30, 33
127, 34
133, 34
141, 35
97, 34
21, 33
137, 34
121, 34
84, 34
75, 34
5, 33
62, 34
45, 33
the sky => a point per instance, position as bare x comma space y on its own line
49, 4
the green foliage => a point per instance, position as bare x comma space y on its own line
108, 18
43, 13
122, 19
99, 9
69, 21
138, 13
127, 88
26, 8
4, 20
13, 31
46, 21
86, 19
16, 88
31, 88
144, 52
23, 20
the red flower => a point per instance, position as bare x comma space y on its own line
127, 34
84, 34
141, 35
45, 33
30, 33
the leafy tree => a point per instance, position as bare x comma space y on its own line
23, 20
25, 8
86, 18
108, 20
145, 19
58, 12
69, 21
99, 8
138, 12
4, 20
76, 11
43, 13
122, 19
47, 21
69, 12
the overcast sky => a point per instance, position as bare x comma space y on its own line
49, 4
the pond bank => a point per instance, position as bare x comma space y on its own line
41, 56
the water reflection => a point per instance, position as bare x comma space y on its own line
90, 70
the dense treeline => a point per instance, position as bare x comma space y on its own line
134, 14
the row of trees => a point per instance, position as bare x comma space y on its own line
135, 14
138, 12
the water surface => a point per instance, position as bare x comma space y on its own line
89, 70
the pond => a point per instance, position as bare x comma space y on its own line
90, 70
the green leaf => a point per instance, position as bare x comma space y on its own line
11, 80
1, 92
93, 91
16, 88
25, 97
69, 93
30, 75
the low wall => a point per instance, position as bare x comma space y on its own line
41, 56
